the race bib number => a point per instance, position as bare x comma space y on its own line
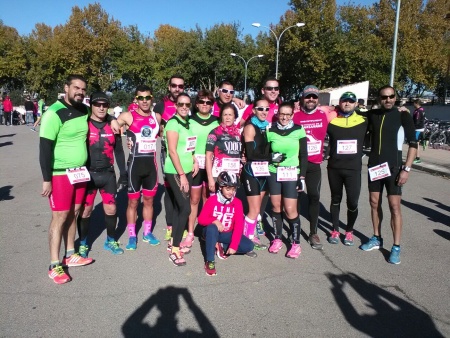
260, 169
380, 171
201, 161
146, 146
78, 175
314, 147
347, 146
231, 164
286, 174
190, 143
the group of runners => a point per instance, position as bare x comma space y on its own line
209, 149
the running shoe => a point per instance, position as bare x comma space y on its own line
185, 233
113, 246
76, 260
372, 244
314, 240
276, 246
260, 228
348, 240
131, 243
295, 251
168, 234
151, 239
334, 237
417, 161
183, 250
220, 252
188, 241
394, 258
210, 268
257, 244
251, 254
177, 260
83, 250
58, 275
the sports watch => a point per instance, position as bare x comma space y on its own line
406, 168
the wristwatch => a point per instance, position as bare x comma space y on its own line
406, 168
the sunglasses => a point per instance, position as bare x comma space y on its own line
205, 102
272, 88
285, 115
100, 104
385, 97
184, 104
173, 85
262, 108
226, 91
311, 96
142, 98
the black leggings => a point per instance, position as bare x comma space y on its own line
313, 180
351, 180
181, 206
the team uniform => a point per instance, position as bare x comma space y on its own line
63, 146
201, 127
392, 127
271, 115
347, 134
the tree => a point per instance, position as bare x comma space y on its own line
13, 63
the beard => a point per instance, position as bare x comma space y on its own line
75, 103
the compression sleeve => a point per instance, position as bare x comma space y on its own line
303, 156
253, 155
410, 130
120, 155
46, 158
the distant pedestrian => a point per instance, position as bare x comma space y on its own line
1, 110
29, 110
419, 124
7, 110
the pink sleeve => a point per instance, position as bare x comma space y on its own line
238, 226
206, 215
248, 112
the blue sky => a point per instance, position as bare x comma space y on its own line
148, 15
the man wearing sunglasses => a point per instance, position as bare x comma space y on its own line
103, 146
315, 122
142, 132
225, 94
271, 92
389, 127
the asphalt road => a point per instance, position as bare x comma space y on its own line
340, 291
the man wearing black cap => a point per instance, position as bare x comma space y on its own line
346, 132
103, 146
315, 122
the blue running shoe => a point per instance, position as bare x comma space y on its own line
151, 239
113, 246
260, 228
372, 244
131, 243
394, 258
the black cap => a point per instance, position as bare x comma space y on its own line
99, 96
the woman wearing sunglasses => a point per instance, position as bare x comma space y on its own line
201, 123
287, 177
256, 169
180, 166
223, 146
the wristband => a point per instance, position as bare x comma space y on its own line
182, 174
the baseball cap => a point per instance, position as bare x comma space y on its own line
99, 96
348, 96
310, 89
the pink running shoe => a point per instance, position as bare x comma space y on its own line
276, 246
220, 252
76, 260
349, 238
295, 251
188, 241
58, 275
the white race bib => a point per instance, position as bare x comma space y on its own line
379, 171
347, 146
286, 174
146, 146
78, 175
201, 161
314, 147
190, 144
231, 165
260, 168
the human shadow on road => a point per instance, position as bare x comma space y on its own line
4, 144
387, 315
167, 302
433, 215
5, 193
442, 233
7, 135
438, 204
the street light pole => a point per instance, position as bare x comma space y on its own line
277, 38
394, 49
246, 67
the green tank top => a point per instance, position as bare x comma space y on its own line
185, 145
201, 127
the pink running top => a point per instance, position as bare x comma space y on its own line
143, 132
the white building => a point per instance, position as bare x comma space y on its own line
330, 96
